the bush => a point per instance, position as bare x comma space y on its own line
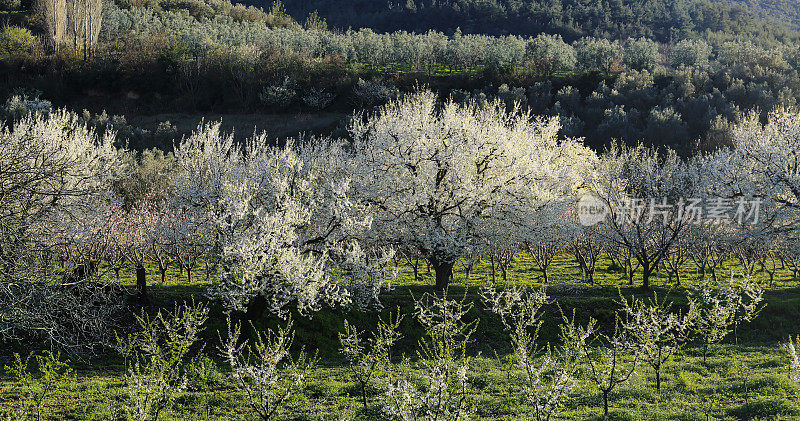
18, 106
15, 41
318, 99
372, 93
155, 358
279, 95
10, 4
196, 8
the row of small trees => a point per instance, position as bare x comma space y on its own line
433, 383
434, 51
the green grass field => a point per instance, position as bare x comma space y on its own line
745, 378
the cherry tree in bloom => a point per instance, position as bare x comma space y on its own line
50, 166
144, 232
643, 189
770, 155
54, 171
546, 237
444, 177
282, 222
763, 165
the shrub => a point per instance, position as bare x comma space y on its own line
154, 356
18, 106
196, 8
611, 358
656, 329
38, 387
715, 310
279, 95
365, 357
15, 41
318, 99
440, 390
265, 370
549, 377
10, 4
372, 93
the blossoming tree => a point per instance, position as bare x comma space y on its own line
282, 222
444, 177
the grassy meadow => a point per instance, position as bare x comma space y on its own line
744, 378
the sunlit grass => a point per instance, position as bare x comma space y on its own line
744, 381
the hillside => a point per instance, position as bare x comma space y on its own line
663, 20
787, 11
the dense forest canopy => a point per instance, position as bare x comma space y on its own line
663, 20
784, 10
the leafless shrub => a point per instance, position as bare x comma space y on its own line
155, 357
265, 371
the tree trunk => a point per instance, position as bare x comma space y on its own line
141, 283
443, 272
491, 259
364, 394
646, 272
658, 380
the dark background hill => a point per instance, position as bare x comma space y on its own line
663, 20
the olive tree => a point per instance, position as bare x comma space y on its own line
548, 54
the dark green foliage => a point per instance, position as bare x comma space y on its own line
8, 5
663, 20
